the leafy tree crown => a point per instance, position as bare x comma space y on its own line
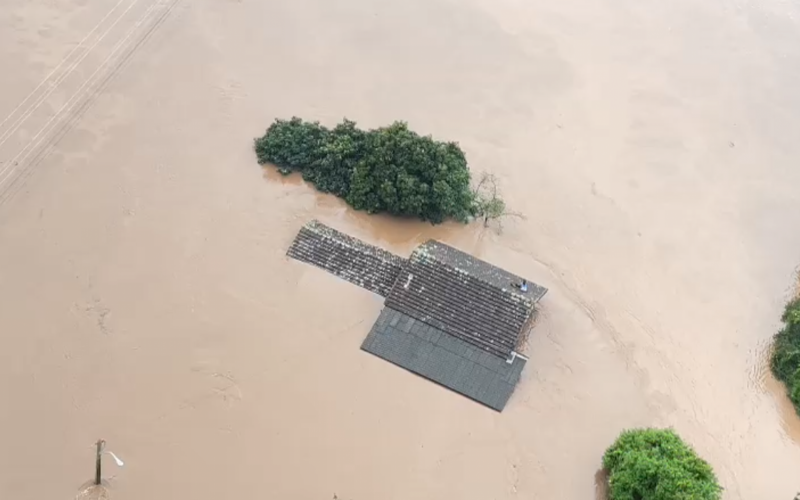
390, 169
655, 464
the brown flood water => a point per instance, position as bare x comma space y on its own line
145, 297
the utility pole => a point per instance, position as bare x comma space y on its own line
98, 474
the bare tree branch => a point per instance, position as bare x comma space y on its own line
489, 205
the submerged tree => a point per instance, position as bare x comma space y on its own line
785, 361
488, 203
390, 169
403, 173
655, 464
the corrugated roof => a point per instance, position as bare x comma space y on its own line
465, 297
444, 359
349, 258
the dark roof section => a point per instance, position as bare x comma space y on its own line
467, 298
492, 275
444, 359
348, 258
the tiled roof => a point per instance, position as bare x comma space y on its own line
444, 359
488, 273
465, 297
449, 317
351, 259
446, 288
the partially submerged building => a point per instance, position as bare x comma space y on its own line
448, 317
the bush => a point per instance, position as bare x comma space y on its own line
786, 354
389, 169
655, 464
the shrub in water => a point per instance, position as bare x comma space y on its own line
655, 464
786, 353
390, 169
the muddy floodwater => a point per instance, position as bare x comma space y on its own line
145, 297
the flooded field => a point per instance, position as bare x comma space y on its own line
145, 297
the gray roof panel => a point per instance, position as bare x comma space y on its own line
448, 361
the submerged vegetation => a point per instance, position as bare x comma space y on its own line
389, 169
786, 354
489, 205
655, 464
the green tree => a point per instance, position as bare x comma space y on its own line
785, 361
655, 464
390, 169
292, 144
403, 173
338, 155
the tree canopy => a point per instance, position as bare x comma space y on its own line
390, 169
786, 354
655, 464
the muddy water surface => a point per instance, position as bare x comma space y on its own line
145, 297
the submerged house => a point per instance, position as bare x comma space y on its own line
448, 317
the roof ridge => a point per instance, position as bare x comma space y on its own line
427, 257
325, 231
